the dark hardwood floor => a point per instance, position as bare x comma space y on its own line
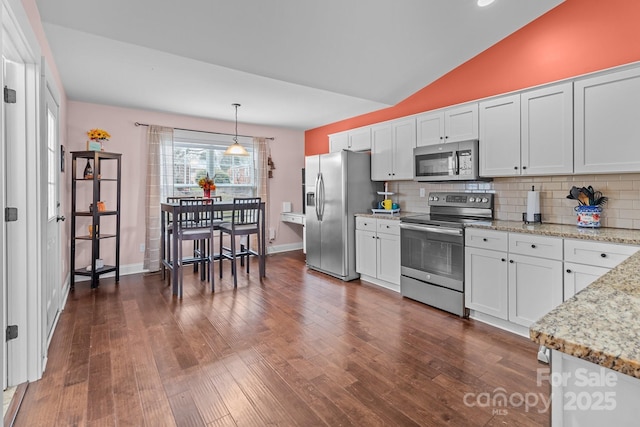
297, 349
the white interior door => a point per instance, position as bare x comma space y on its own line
51, 280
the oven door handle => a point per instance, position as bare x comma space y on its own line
451, 231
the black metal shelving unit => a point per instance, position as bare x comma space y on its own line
95, 184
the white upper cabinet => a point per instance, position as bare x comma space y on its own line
529, 133
392, 145
499, 144
461, 123
360, 139
607, 123
448, 125
547, 130
355, 140
430, 128
338, 142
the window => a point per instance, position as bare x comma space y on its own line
196, 154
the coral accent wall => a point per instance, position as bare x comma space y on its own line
576, 37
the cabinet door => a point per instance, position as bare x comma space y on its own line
382, 152
360, 139
388, 257
430, 128
486, 278
338, 142
461, 123
607, 129
535, 288
404, 138
547, 130
366, 253
579, 276
500, 136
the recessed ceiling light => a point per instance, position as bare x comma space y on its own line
483, 3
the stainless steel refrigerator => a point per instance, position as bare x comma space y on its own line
337, 186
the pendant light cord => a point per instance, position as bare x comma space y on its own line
236, 137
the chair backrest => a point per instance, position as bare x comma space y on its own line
195, 214
246, 211
217, 215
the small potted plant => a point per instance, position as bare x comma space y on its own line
207, 185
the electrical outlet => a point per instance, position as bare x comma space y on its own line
141, 247
272, 233
422, 192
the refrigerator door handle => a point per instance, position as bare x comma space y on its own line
317, 204
321, 196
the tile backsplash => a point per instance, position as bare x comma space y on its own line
621, 211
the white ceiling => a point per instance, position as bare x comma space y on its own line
296, 64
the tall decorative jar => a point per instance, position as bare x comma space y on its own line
588, 216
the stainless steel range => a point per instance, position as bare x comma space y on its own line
432, 249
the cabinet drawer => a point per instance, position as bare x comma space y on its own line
364, 223
538, 246
389, 226
486, 239
597, 254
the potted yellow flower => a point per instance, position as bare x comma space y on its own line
96, 138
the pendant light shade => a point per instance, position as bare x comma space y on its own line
236, 149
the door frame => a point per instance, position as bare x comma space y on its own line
16, 30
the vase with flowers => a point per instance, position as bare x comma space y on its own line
207, 185
96, 138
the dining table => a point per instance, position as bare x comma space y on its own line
169, 245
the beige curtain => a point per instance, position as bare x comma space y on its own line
261, 148
159, 186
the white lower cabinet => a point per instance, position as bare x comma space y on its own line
585, 261
509, 280
579, 276
535, 287
378, 251
486, 278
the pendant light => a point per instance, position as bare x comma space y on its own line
236, 149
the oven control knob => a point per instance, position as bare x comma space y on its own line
435, 198
472, 199
485, 200
430, 198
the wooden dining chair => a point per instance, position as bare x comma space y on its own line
197, 223
245, 221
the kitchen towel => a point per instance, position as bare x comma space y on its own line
533, 204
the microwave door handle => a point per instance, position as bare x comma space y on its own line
456, 162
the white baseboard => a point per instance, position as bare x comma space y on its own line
284, 248
499, 323
381, 283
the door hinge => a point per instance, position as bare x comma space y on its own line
12, 332
9, 95
10, 214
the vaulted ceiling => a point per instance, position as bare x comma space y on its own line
296, 64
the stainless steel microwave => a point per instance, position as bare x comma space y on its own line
452, 161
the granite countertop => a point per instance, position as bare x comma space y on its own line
600, 324
610, 235
397, 216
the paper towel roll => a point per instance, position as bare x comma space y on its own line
533, 205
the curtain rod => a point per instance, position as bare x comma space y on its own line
215, 133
